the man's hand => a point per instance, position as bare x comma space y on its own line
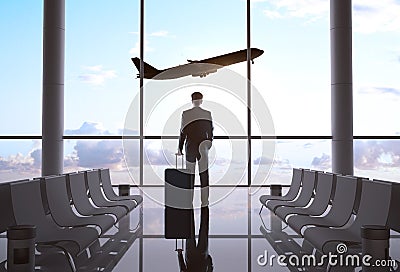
179, 153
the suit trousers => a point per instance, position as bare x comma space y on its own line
199, 154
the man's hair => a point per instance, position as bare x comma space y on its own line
197, 96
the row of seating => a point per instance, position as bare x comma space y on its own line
327, 209
70, 211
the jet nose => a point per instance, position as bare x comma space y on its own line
259, 52
255, 52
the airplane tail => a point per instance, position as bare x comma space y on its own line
149, 71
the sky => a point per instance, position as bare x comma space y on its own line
292, 76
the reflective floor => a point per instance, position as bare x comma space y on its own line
239, 238
234, 242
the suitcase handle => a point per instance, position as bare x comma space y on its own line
176, 160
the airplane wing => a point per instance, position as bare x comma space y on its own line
232, 58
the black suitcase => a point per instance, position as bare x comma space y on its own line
178, 189
179, 223
178, 213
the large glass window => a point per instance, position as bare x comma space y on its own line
376, 68
293, 74
292, 77
20, 159
21, 67
100, 77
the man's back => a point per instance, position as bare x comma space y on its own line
196, 125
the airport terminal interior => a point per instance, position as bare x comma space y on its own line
287, 111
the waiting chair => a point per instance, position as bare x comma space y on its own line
81, 200
373, 210
319, 203
61, 210
28, 210
109, 192
340, 211
293, 190
304, 197
93, 181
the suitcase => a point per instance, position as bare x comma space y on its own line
179, 223
179, 188
178, 213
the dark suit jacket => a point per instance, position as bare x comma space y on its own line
196, 126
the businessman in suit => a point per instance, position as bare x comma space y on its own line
197, 135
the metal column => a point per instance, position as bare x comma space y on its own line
341, 86
53, 87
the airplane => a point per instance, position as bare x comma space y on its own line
197, 68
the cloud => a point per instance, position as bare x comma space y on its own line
369, 16
160, 33
135, 51
98, 154
370, 155
323, 163
88, 128
308, 145
263, 160
20, 163
380, 91
376, 16
157, 157
96, 75
309, 9
276, 163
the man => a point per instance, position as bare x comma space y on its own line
197, 257
197, 131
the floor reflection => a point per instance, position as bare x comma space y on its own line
231, 232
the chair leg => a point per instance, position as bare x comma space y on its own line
262, 206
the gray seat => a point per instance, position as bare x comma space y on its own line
28, 210
373, 210
304, 197
319, 203
93, 182
6, 210
340, 211
394, 218
81, 200
293, 190
109, 192
61, 210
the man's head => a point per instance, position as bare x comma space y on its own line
197, 99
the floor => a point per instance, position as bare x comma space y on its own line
238, 239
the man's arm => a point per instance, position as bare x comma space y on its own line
182, 135
210, 129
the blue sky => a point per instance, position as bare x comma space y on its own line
293, 74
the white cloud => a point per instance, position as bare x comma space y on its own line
310, 9
160, 33
380, 91
322, 163
369, 16
135, 51
376, 154
376, 16
96, 75
88, 128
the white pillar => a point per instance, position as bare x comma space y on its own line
341, 86
53, 87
